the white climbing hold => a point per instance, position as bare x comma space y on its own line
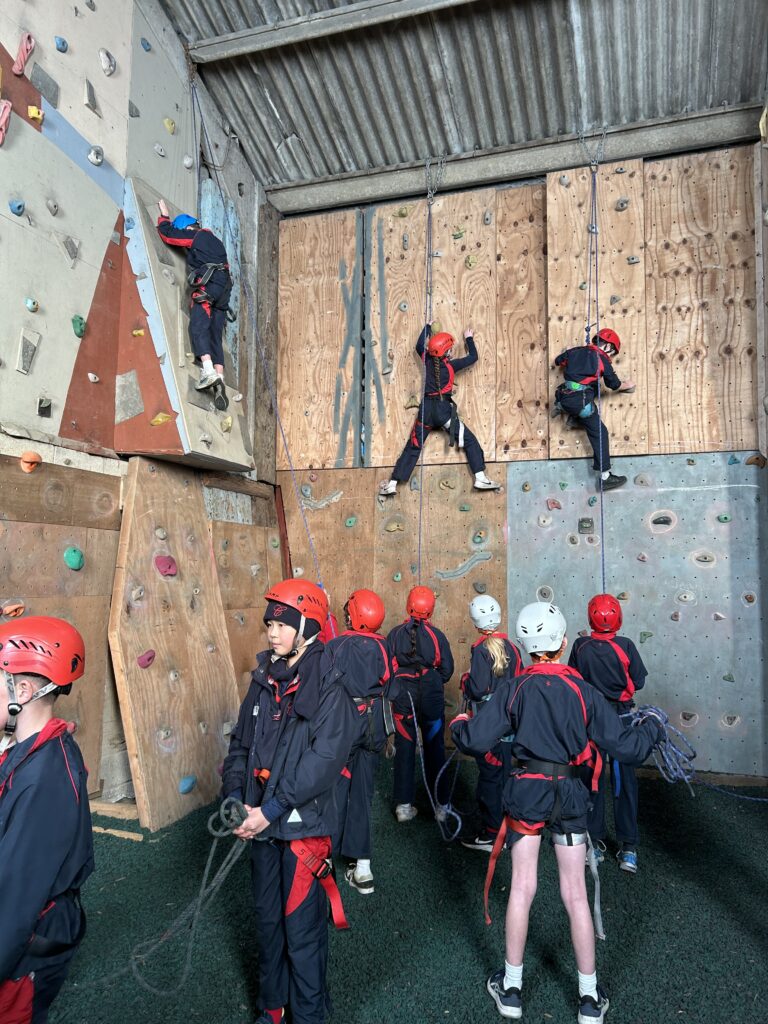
96, 156
188, 161
90, 99
159, 149
206, 439
53, 206
93, 378
108, 62
237, 398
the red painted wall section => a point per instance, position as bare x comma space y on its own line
17, 88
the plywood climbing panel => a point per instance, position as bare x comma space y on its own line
621, 281
319, 349
169, 642
522, 416
701, 301
464, 294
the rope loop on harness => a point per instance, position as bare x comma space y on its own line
230, 815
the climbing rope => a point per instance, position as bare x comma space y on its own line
444, 812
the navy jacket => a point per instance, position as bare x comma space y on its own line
554, 715
201, 247
585, 364
359, 662
300, 733
46, 847
442, 369
479, 683
431, 661
610, 663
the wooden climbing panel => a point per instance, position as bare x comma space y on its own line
701, 302
760, 158
178, 709
522, 416
319, 352
464, 294
621, 289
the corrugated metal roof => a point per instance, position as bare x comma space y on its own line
485, 76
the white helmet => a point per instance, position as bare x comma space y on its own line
540, 627
485, 612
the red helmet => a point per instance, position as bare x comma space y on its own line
42, 646
604, 613
365, 610
307, 598
420, 603
439, 344
609, 337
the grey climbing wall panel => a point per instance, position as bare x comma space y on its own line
685, 542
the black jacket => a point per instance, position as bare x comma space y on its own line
585, 364
202, 247
358, 661
418, 658
611, 663
479, 683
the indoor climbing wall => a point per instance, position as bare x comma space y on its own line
168, 636
621, 292
58, 542
319, 348
684, 548
702, 353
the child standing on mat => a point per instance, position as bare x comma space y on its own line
438, 409
583, 368
612, 664
493, 659
557, 719
292, 739
358, 660
46, 841
422, 663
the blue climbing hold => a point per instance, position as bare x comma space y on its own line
306, 491
187, 784
733, 461
592, 501
145, 45
130, 224
61, 44
16, 206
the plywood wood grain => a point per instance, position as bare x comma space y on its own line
701, 301
621, 289
319, 351
522, 416
59, 495
174, 711
760, 158
464, 294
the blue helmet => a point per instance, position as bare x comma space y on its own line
184, 220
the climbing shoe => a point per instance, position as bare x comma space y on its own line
593, 1011
508, 1000
612, 482
220, 399
627, 860
405, 812
484, 484
362, 881
483, 842
388, 487
207, 380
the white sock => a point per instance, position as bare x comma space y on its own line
513, 976
208, 365
363, 867
606, 474
588, 985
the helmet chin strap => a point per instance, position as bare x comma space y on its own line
15, 708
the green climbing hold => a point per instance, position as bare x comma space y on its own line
563, 485
480, 588
479, 537
733, 461
351, 521
645, 635
728, 678
78, 326
275, 542
74, 559
592, 501
724, 518
397, 576
465, 508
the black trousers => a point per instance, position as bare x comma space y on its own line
574, 403
623, 782
354, 797
493, 770
436, 414
429, 704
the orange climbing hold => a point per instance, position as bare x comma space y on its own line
29, 461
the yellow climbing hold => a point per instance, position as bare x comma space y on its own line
160, 419
35, 114
138, 333
226, 424
394, 526
170, 125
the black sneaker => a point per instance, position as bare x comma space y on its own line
612, 482
508, 1001
593, 1011
484, 842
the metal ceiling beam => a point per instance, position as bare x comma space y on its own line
313, 26
649, 139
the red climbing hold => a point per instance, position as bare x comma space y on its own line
71, 728
145, 660
553, 503
165, 565
26, 46
5, 118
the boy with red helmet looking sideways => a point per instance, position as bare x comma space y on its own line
291, 741
612, 664
45, 820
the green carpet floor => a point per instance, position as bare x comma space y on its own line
687, 936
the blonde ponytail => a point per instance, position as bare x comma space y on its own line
498, 652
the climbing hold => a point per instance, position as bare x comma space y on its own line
641, 480
688, 719
632, 260
544, 521
274, 542
166, 565
733, 461
642, 557
12, 609
44, 407
756, 460
394, 526
465, 508
158, 149
614, 299
96, 156
593, 539
145, 45
145, 660
729, 678
412, 402
210, 647
313, 477
35, 114
470, 261
159, 419
129, 224
724, 518
306, 490
592, 500
730, 720
563, 485
29, 461
187, 784
686, 597
137, 593
675, 616
397, 576
458, 232
108, 62
662, 520
545, 594
718, 616
350, 522
133, 110
593, 229
690, 462
621, 204
479, 537
403, 211
565, 181
188, 161
403, 307
645, 635
74, 558
32, 305
206, 439
90, 4
138, 332
447, 485
53, 206
160, 533
583, 286
61, 44
623, 596
586, 525
298, 571
572, 539
526, 487
705, 558
487, 217
93, 378
170, 125
16, 206
749, 598
5, 118
226, 425
553, 503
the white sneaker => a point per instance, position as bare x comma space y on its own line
482, 483
362, 881
388, 487
207, 380
405, 812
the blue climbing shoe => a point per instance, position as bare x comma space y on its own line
627, 861
508, 1001
593, 1011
